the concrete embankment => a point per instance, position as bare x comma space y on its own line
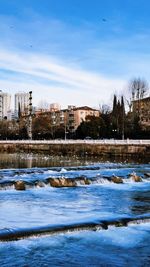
97, 148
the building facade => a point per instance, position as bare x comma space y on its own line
21, 103
141, 108
5, 102
71, 117
80, 114
55, 107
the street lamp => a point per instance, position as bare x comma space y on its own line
30, 116
114, 132
65, 132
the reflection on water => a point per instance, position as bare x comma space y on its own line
140, 202
22, 160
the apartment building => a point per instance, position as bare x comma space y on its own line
80, 114
70, 117
141, 108
55, 107
5, 102
21, 102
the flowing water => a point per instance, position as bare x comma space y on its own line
94, 223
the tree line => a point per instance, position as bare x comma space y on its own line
111, 123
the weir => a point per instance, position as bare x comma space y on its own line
59, 182
109, 148
7, 234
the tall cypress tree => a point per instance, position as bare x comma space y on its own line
122, 105
114, 117
118, 115
114, 104
19, 111
122, 117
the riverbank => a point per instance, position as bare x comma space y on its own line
92, 148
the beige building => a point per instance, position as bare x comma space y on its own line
78, 114
82, 112
71, 117
141, 108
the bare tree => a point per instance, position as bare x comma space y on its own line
43, 104
138, 88
104, 109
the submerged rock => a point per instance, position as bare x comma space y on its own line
54, 182
117, 180
20, 185
147, 174
62, 182
136, 178
82, 180
87, 181
67, 182
6, 184
39, 184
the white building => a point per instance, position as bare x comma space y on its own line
55, 107
11, 115
21, 102
5, 102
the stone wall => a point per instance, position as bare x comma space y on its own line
81, 149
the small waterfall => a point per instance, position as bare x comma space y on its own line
101, 180
7, 186
62, 181
139, 221
7, 234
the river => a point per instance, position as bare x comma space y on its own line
99, 223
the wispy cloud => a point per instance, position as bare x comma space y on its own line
82, 64
59, 79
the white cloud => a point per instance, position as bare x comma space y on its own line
61, 83
70, 65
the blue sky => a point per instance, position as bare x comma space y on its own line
76, 52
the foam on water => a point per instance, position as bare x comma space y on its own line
41, 204
10, 234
